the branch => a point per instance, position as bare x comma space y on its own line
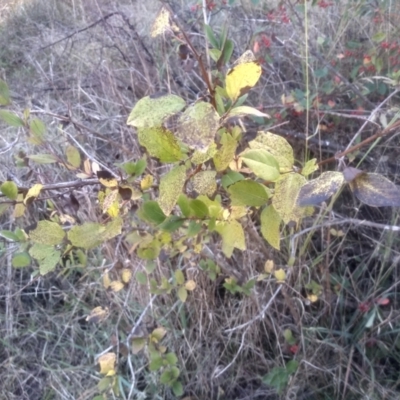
377, 135
62, 185
79, 30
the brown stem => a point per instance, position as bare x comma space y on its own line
377, 135
203, 69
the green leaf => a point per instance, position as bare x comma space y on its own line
4, 93
9, 189
47, 257
160, 143
172, 360
151, 111
194, 228
11, 119
47, 232
4, 207
38, 130
215, 54
138, 344
87, 236
262, 163
270, 222
140, 167
198, 125
232, 236
226, 153
171, 185
243, 76
9, 235
149, 251
179, 277
73, 156
150, 211
248, 193
112, 229
141, 277
182, 294
230, 178
310, 167
284, 200
277, 146
184, 205
43, 158
156, 363
227, 51
379, 37
277, 378
204, 182
199, 209
171, 224
201, 156
210, 36
291, 366
177, 388
316, 191
21, 260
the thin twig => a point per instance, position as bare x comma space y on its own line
259, 315
354, 221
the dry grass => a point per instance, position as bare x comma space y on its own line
92, 61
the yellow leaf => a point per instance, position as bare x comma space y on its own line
280, 275
138, 344
312, 297
269, 266
338, 233
162, 24
126, 275
109, 182
190, 285
182, 294
287, 188
171, 185
110, 203
158, 334
146, 182
243, 76
106, 280
107, 364
205, 182
87, 167
98, 314
232, 236
270, 222
47, 232
33, 192
19, 208
73, 156
116, 286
